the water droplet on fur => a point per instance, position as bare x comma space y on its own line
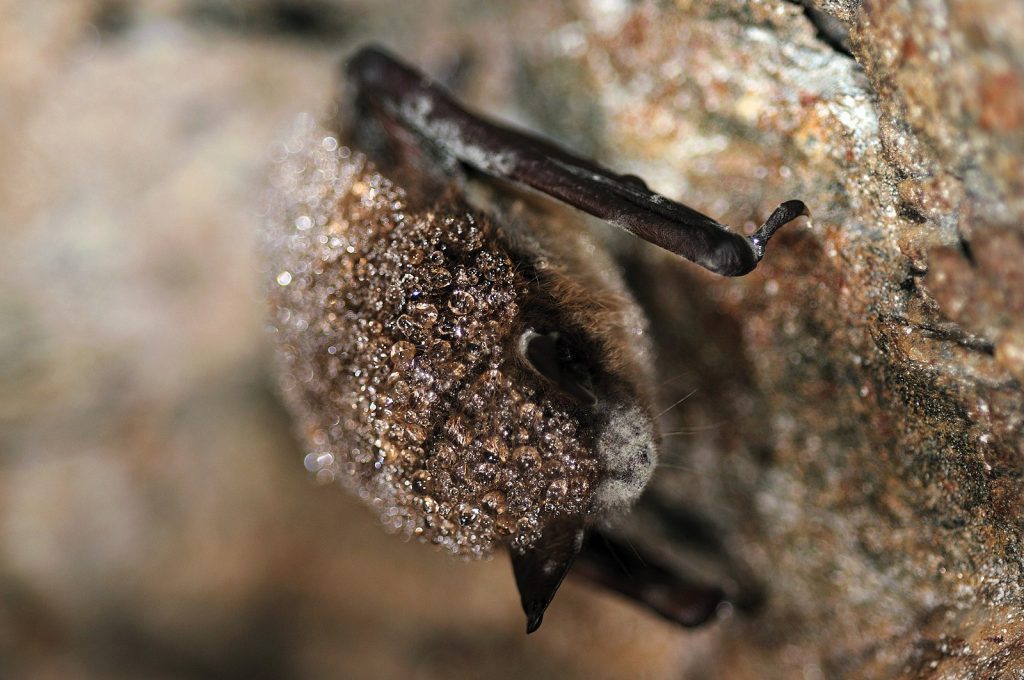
440, 277
461, 303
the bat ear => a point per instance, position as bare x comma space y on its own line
551, 356
540, 569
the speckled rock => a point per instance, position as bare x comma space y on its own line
856, 430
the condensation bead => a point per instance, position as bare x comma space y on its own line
495, 450
579, 486
439, 277
397, 330
443, 454
493, 503
484, 472
440, 350
407, 326
468, 514
461, 302
531, 415
505, 525
456, 369
402, 354
466, 277
425, 314
527, 457
416, 433
557, 490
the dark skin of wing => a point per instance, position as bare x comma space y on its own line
390, 89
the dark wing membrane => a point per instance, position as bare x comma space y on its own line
397, 91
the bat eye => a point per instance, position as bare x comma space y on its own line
551, 355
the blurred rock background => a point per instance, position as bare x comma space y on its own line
856, 433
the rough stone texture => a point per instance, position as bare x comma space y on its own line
863, 389
855, 434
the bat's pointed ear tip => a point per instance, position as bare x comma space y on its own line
533, 621
540, 568
535, 596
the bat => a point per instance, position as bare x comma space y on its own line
456, 348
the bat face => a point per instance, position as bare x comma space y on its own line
479, 375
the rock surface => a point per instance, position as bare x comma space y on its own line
855, 436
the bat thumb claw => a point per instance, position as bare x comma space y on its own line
780, 217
